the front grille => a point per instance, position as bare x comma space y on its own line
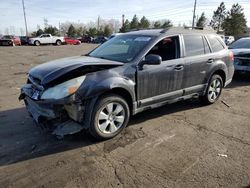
242, 61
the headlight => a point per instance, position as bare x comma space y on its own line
64, 89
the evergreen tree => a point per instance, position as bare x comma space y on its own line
144, 23
92, 32
39, 32
107, 31
51, 30
167, 24
79, 31
126, 26
218, 17
235, 22
157, 25
71, 31
201, 20
134, 24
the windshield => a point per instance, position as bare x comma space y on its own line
241, 43
121, 48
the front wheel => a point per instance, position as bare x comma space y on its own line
110, 116
213, 91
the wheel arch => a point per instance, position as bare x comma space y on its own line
124, 93
91, 102
221, 73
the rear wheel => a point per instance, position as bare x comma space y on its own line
110, 117
37, 43
58, 42
214, 89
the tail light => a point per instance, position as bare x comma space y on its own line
231, 56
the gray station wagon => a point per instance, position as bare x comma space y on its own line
128, 74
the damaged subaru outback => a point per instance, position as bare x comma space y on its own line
128, 74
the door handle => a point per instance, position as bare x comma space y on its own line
179, 67
211, 60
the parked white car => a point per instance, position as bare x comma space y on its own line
229, 40
46, 39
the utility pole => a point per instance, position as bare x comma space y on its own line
98, 23
24, 14
194, 14
123, 20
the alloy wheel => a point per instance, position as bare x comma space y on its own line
111, 118
214, 89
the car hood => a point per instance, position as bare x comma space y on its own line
241, 52
52, 70
3, 39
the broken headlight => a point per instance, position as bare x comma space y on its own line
64, 89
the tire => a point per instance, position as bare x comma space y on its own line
37, 43
58, 42
213, 91
109, 117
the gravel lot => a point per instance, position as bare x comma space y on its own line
179, 145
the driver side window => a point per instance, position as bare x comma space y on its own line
168, 48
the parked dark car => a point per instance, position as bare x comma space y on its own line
128, 74
86, 39
100, 39
24, 40
10, 40
241, 50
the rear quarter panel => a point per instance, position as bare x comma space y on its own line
221, 62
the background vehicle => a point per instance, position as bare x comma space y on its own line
128, 74
100, 39
71, 41
86, 39
46, 39
10, 40
229, 40
24, 40
241, 50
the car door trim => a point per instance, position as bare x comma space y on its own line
173, 94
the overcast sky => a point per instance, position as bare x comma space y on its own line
178, 11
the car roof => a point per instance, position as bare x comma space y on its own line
170, 31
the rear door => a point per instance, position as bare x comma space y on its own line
157, 83
197, 61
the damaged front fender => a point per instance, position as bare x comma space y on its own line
100, 82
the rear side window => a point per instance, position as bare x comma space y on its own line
193, 45
215, 43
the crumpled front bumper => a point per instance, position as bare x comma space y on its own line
62, 117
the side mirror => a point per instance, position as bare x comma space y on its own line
150, 59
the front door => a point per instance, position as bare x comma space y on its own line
157, 83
